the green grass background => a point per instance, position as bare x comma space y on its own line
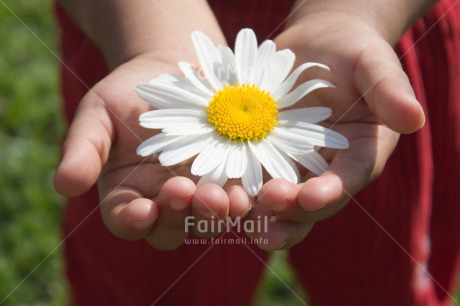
30, 130
31, 127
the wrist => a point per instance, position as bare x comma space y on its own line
389, 19
123, 29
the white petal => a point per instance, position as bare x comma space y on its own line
275, 163
155, 144
215, 176
170, 79
163, 95
277, 69
237, 160
307, 115
302, 90
228, 75
195, 78
212, 156
313, 161
287, 85
246, 56
208, 56
187, 147
167, 78
288, 141
164, 118
319, 136
179, 81
292, 164
265, 51
252, 179
189, 129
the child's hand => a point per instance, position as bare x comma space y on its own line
373, 101
139, 197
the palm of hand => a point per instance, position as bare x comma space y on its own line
372, 94
108, 120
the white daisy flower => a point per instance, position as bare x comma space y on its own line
233, 118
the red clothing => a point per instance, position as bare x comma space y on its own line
372, 253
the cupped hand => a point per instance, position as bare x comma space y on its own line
372, 103
139, 197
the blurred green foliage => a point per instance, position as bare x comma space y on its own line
279, 286
30, 131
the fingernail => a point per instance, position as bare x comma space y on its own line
282, 245
141, 225
280, 206
208, 214
177, 204
274, 247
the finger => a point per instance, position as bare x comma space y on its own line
210, 206
281, 197
127, 214
240, 203
278, 195
85, 149
386, 88
350, 171
174, 203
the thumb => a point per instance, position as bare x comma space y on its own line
86, 147
386, 88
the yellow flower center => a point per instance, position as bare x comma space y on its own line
243, 112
